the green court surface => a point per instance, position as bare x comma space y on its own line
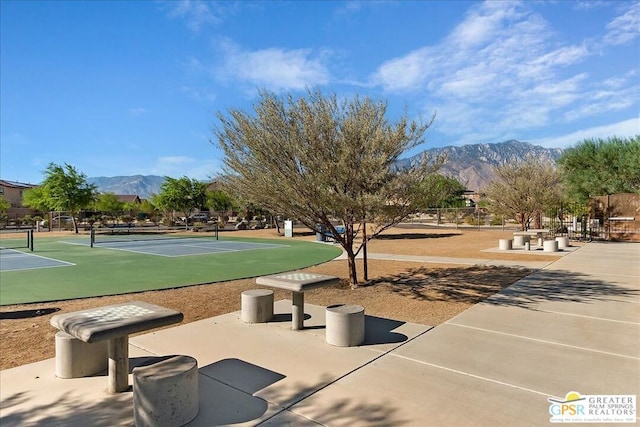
102, 271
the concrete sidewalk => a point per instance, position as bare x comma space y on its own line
571, 326
534, 265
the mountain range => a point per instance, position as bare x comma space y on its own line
471, 164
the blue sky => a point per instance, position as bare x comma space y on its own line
132, 87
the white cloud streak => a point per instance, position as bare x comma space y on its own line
624, 129
196, 13
275, 69
503, 71
177, 166
624, 28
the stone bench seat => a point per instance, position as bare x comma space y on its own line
257, 306
344, 325
166, 393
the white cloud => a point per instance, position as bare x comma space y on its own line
623, 129
275, 68
624, 27
505, 71
199, 93
196, 13
178, 166
405, 73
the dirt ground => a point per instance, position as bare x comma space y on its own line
407, 291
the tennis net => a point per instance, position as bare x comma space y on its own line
22, 239
138, 234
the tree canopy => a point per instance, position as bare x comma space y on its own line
64, 189
318, 159
4, 204
440, 191
523, 190
184, 195
597, 167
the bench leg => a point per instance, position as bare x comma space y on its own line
297, 311
118, 364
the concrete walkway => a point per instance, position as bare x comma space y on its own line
571, 326
534, 265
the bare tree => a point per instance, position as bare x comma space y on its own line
523, 190
318, 159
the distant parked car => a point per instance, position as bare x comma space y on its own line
199, 217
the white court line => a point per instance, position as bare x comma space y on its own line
146, 249
589, 317
543, 341
57, 261
467, 374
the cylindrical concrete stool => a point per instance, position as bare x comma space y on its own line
166, 393
76, 359
257, 306
563, 242
550, 246
520, 240
505, 244
527, 246
345, 325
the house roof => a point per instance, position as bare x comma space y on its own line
128, 198
15, 184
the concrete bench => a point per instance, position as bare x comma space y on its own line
166, 393
563, 242
550, 246
76, 359
297, 282
531, 234
114, 324
520, 239
345, 325
505, 244
257, 306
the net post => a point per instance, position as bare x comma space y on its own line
216, 231
92, 236
30, 237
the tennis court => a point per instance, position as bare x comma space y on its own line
15, 260
177, 247
120, 267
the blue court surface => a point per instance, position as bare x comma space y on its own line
184, 247
14, 260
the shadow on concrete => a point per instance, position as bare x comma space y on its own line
461, 284
286, 317
231, 392
241, 375
338, 411
26, 314
379, 330
565, 286
70, 410
413, 236
493, 285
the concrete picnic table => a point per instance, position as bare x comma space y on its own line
297, 283
115, 323
538, 233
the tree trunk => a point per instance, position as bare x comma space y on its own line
73, 220
353, 274
364, 252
